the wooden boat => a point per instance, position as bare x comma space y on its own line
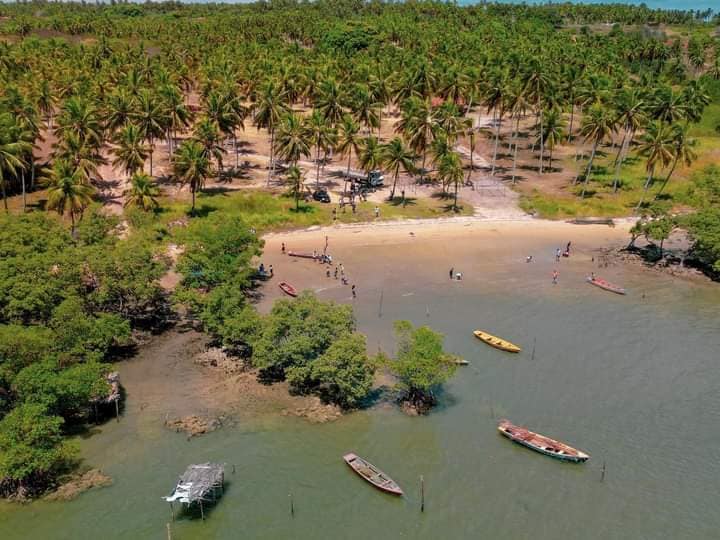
599, 282
461, 362
497, 342
301, 254
372, 474
288, 289
540, 443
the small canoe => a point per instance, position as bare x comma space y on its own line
496, 342
288, 289
372, 474
599, 282
302, 255
461, 362
540, 443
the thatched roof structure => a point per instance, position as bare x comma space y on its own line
197, 482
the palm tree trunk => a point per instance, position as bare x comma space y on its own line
422, 170
455, 206
72, 223
317, 167
271, 165
619, 160
516, 136
667, 178
237, 156
347, 174
572, 117
542, 142
152, 148
4, 194
645, 189
497, 138
589, 168
392, 192
24, 197
192, 190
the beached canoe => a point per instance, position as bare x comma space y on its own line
302, 254
288, 289
497, 342
540, 443
461, 362
599, 282
372, 474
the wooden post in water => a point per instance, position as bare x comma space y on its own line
172, 512
117, 411
602, 477
532, 357
169, 532
292, 506
381, 303
202, 512
422, 493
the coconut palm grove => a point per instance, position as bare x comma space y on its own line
147, 149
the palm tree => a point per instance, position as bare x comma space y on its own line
518, 105
143, 192
131, 150
371, 154
118, 109
418, 125
191, 166
597, 125
80, 118
538, 88
657, 147
81, 154
13, 146
67, 191
321, 136
151, 118
450, 172
207, 133
630, 107
269, 109
396, 156
553, 131
291, 142
365, 107
682, 152
349, 141
295, 182
178, 114
330, 101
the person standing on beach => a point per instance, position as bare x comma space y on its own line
555, 276
557, 255
452, 272
336, 272
377, 212
272, 272
282, 249
326, 245
354, 294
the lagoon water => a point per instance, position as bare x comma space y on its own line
634, 381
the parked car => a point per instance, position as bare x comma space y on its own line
321, 195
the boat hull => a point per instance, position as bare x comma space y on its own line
604, 285
496, 342
288, 289
543, 445
302, 255
379, 479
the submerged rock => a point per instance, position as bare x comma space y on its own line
195, 425
316, 412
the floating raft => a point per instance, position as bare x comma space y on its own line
197, 484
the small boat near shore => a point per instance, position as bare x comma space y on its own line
540, 443
606, 285
461, 362
496, 342
372, 474
302, 254
288, 289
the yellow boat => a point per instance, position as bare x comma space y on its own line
496, 342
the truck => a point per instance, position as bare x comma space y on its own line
371, 180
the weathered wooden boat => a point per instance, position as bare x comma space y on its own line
461, 362
593, 221
288, 289
372, 474
540, 443
496, 342
302, 254
599, 282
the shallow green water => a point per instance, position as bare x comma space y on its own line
633, 381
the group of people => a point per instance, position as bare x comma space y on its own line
269, 271
326, 258
558, 254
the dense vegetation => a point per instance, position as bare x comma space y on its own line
66, 306
84, 86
